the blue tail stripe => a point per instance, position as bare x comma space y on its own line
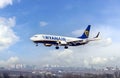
86, 33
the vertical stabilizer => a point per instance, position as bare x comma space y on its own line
86, 33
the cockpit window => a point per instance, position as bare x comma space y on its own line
35, 36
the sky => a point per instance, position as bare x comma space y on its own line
21, 19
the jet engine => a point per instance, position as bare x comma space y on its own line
48, 45
62, 42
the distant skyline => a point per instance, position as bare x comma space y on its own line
21, 19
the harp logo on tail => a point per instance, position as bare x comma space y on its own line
87, 33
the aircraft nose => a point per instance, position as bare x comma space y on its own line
32, 38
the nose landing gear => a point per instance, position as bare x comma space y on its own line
36, 44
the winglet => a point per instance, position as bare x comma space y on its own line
97, 35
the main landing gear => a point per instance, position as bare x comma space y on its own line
57, 47
66, 47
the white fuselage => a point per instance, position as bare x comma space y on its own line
49, 40
43, 37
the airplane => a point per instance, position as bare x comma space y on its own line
49, 40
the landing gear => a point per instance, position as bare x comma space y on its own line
36, 44
66, 47
57, 47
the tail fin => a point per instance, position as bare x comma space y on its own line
86, 33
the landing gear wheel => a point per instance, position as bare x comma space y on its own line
66, 47
57, 47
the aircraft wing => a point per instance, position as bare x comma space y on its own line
76, 43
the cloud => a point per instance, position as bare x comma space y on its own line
98, 60
77, 32
83, 56
4, 3
60, 57
7, 35
11, 60
43, 23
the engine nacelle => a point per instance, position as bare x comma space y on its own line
48, 45
84, 41
62, 42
